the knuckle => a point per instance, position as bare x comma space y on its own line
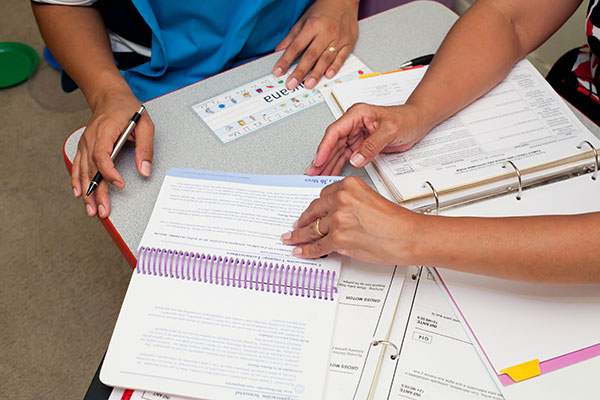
369, 147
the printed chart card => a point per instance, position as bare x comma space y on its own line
250, 107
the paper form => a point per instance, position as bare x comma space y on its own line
521, 119
259, 103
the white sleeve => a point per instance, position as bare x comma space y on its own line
67, 2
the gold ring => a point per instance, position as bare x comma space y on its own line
317, 227
331, 49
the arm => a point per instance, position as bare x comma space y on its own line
360, 223
327, 24
76, 36
478, 52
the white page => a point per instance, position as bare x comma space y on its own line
437, 359
521, 119
236, 215
529, 321
218, 339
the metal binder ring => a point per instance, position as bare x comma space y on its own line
595, 174
435, 196
388, 343
518, 172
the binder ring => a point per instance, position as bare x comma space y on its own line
435, 196
518, 172
595, 174
388, 343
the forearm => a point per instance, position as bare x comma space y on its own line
480, 50
77, 37
540, 249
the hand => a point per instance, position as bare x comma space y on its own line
326, 33
363, 132
356, 221
110, 115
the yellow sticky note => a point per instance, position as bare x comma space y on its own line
523, 371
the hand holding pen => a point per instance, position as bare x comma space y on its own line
118, 146
111, 115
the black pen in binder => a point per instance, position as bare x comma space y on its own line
437, 197
238, 273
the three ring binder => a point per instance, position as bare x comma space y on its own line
238, 272
436, 199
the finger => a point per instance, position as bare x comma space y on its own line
337, 63
328, 169
294, 49
327, 57
316, 249
341, 162
339, 131
306, 233
88, 201
102, 200
102, 161
307, 62
289, 37
144, 145
317, 209
369, 148
75, 184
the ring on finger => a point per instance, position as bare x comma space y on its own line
317, 228
332, 49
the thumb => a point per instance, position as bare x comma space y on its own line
369, 148
144, 145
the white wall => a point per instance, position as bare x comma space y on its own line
571, 35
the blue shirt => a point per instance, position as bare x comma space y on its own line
192, 40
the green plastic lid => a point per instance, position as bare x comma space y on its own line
17, 63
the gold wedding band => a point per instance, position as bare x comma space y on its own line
317, 227
331, 49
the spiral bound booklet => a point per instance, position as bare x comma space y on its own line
217, 307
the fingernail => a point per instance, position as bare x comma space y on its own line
102, 211
297, 251
307, 169
116, 183
357, 160
286, 236
295, 224
76, 192
90, 210
146, 168
293, 83
330, 74
311, 83
278, 71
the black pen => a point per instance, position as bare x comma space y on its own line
423, 60
122, 139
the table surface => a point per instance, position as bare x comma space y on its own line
288, 146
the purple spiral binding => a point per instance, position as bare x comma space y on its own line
241, 273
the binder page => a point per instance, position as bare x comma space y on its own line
233, 215
522, 120
530, 321
437, 359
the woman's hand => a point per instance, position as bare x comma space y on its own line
111, 113
355, 221
363, 132
326, 33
